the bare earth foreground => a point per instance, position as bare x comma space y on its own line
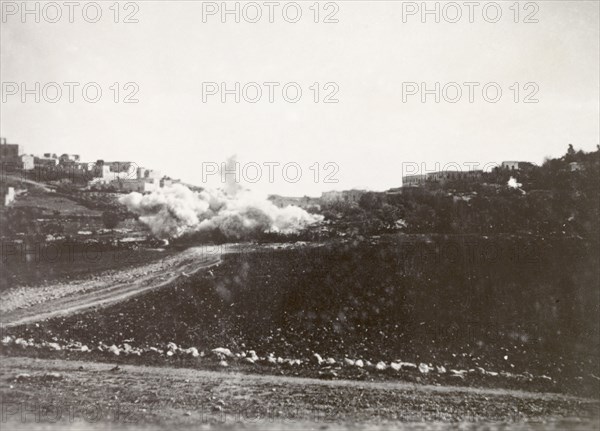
59, 394
81, 395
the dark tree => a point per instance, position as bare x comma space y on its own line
110, 219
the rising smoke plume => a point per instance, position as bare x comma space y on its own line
173, 211
514, 184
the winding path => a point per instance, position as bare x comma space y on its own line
28, 305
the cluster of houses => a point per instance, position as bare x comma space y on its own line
99, 175
442, 177
11, 157
408, 181
421, 180
128, 177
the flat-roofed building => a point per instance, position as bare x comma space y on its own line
516, 165
413, 180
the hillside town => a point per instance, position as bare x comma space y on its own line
126, 176
101, 175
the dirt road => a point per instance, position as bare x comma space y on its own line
95, 395
37, 184
30, 304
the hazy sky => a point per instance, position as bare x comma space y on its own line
369, 53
